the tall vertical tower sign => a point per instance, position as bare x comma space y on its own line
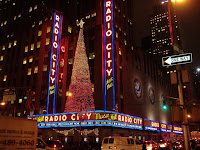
109, 80
52, 85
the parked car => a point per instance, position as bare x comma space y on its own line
55, 144
118, 142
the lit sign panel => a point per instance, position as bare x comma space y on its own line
56, 35
165, 127
151, 125
177, 130
88, 118
109, 84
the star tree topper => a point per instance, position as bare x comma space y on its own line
81, 23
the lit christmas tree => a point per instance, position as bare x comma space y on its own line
80, 87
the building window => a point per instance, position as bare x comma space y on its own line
15, 17
30, 9
25, 61
20, 100
1, 58
45, 68
15, 43
36, 69
5, 22
35, 7
19, 15
5, 78
69, 29
3, 48
48, 29
33, 26
116, 34
9, 45
32, 46
29, 72
47, 41
40, 22
26, 49
39, 33
38, 44
30, 59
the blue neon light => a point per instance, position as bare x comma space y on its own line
113, 60
77, 124
95, 111
50, 65
104, 55
55, 93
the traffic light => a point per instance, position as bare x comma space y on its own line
164, 105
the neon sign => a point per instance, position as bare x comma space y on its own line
109, 84
54, 62
177, 130
88, 118
151, 125
165, 127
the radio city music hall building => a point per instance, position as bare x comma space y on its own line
125, 80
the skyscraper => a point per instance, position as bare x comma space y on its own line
165, 30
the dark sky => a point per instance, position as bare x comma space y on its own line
188, 13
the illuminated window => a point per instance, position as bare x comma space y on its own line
30, 59
40, 22
69, 29
30, 9
38, 44
5, 22
120, 53
39, 33
70, 61
5, 78
25, 61
1, 24
15, 17
36, 69
125, 42
32, 46
12, 102
87, 17
8, 36
15, 43
132, 47
47, 41
29, 72
3, 48
116, 34
9, 45
18, 114
1, 58
48, 29
26, 49
94, 14
19, 15
33, 26
20, 100
45, 68
35, 7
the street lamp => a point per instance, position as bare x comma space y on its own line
2, 103
14, 109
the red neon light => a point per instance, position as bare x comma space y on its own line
55, 46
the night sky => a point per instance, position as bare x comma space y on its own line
188, 14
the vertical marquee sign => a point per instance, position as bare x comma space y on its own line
109, 80
52, 85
